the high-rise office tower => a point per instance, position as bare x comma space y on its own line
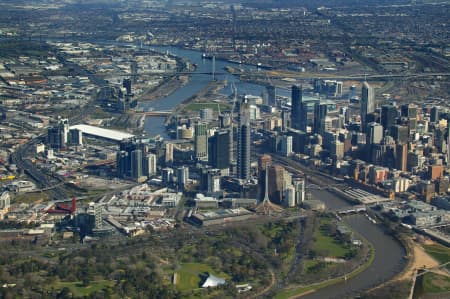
388, 116
448, 143
285, 120
218, 152
201, 141
149, 167
167, 175
130, 159
168, 154
225, 120
57, 135
182, 176
367, 103
434, 114
127, 85
55, 138
299, 191
244, 142
286, 145
409, 110
75, 137
275, 183
400, 133
121, 162
320, 114
271, 95
297, 121
374, 133
136, 164
401, 156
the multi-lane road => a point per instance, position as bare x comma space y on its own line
52, 181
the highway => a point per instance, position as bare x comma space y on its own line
52, 182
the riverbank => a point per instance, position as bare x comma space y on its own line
300, 291
209, 94
165, 89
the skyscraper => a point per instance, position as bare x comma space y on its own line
271, 95
448, 144
182, 176
297, 121
201, 141
127, 85
121, 163
243, 159
168, 154
388, 116
367, 103
401, 152
130, 159
75, 137
286, 145
57, 135
149, 166
218, 152
136, 164
375, 133
275, 183
320, 114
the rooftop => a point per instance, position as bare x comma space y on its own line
104, 133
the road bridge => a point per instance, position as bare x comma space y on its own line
155, 113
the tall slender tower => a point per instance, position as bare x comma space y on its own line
234, 89
367, 103
448, 144
243, 161
201, 141
297, 121
233, 16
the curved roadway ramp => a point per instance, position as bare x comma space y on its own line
389, 255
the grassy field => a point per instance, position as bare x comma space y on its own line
327, 244
79, 290
321, 242
301, 290
439, 252
199, 106
189, 275
434, 283
31, 197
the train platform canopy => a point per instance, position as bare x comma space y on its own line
102, 133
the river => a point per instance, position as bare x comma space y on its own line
155, 125
389, 254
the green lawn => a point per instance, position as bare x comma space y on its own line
310, 264
434, 283
439, 252
79, 290
189, 275
199, 106
302, 290
327, 244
